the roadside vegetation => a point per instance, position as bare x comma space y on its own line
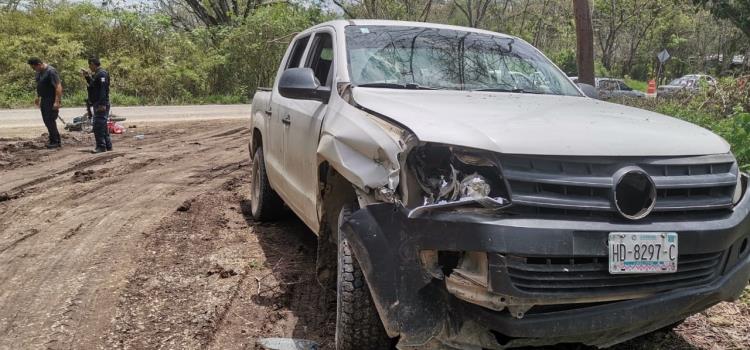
724, 109
150, 59
180, 51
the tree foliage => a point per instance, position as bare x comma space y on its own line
191, 50
736, 11
149, 59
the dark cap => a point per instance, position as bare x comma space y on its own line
95, 61
33, 61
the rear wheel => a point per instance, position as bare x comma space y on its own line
358, 325
265, 203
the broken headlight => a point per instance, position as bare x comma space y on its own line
450, 176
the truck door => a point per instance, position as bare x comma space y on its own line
305, 120
276, 125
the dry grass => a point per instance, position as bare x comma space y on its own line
724, 326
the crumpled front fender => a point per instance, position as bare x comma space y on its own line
360, 147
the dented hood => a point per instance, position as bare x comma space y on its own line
514, 123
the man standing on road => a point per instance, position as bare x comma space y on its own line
48, 96
98, 90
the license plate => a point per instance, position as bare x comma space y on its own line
642, 252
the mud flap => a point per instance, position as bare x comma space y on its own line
397, 282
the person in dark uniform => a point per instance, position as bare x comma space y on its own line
48, 96
98, 89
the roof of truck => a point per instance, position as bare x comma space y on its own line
379, 22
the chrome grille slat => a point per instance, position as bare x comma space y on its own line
556, 201
710, 180
585, 183
693, 203
588, 181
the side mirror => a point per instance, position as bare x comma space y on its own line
588, 90
301, 84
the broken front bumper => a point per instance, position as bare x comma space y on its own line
549, 308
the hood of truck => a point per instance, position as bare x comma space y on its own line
514, 123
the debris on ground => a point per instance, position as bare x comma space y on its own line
287, 344
185, 206
221, 271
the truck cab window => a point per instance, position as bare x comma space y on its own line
297, 51
321, 58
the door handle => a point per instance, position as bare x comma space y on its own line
287, 120
268, 113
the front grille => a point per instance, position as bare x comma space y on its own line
585, 183
590, 275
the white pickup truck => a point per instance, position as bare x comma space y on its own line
467, 195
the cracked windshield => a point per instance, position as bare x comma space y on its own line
434, 58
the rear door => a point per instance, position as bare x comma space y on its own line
303, 132
276, 133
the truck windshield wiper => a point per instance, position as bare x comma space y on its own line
396, 86
520, 91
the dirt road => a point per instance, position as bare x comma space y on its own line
151, 247
28, 122
96, 254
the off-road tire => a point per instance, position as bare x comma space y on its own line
358, 326
265, 203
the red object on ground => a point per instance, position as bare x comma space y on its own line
115, 128
651, 87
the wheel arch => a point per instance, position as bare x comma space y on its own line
255, 142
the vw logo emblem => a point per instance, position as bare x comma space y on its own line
634, 193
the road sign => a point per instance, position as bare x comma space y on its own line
663, 56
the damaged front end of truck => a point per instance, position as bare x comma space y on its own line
471, 249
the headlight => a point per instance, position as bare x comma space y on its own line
448, 175
474, 186
738, 190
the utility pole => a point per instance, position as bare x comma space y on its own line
584, 41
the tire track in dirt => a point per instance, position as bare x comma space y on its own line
78, 166
61, 284
222, 280
31, 233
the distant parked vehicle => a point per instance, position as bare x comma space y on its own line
607, 88
688, 84
611, 88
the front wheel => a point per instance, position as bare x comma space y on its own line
358, 325
265, 203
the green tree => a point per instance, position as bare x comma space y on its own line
736, 11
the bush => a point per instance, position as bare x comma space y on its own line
637, 84
710, 109
150, 61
